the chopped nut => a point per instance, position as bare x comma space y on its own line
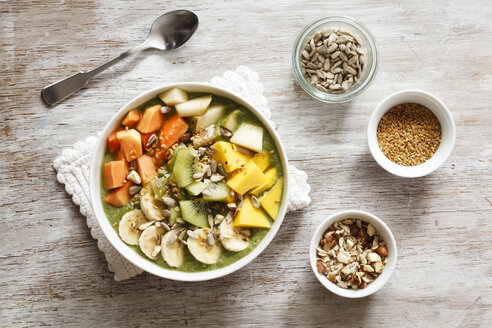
382, 251
373, 257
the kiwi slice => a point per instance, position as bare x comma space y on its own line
175, 153
194, 212
175, 213
195, 188
184, 167
216, 191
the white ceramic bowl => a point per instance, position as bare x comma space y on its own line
110, 233
384, 233
442, 113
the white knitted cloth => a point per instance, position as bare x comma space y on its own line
73, 169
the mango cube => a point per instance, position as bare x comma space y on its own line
250, 216
270, 175
246, 178
262, 160
229, 158
270, 201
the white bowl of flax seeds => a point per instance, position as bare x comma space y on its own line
411, 133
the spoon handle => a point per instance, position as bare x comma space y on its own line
60, 90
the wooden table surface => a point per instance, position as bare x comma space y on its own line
52, 273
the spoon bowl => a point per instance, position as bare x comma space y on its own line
172, 29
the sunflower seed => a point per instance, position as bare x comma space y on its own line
157, 182
321, 88
210, 219
245, 232
145, 225
210, 239
182, 234
255, 202
229, 217
332, 48
218, 219
239, 204
226, 133
156, 251
315, 57
305, 54
338, 63
169, 201
151, 141
323, 50
232, 206
172, 239
192, 234
350, 70
216, 177
165, 109
134, 190
134, 177
165, 226
179, 220
245, 151
166, 213
311, 66
198, 176
213, 166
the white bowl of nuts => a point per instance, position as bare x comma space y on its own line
335, 59
411, 133
353, 253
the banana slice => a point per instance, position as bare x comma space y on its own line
150, 241
231, 239
149, 205
129, 224
172, 249
202, 248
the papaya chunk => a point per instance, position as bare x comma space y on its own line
120, 155
131, 143
120, 196
113, 142
146, 168
115, 173
152, 119
132, 118
172, 129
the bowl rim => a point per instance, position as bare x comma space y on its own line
440, 156
342, 97
128, 253
381, 227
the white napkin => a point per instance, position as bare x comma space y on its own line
73, 169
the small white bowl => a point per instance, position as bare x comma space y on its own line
385, 234
442, 113
124, 249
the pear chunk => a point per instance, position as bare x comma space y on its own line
173, 96
249, 136
194, 107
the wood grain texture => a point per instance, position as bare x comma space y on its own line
52, 273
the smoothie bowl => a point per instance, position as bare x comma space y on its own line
189, 182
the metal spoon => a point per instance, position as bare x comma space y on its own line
169, 31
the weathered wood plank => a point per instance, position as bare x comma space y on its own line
52, 273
